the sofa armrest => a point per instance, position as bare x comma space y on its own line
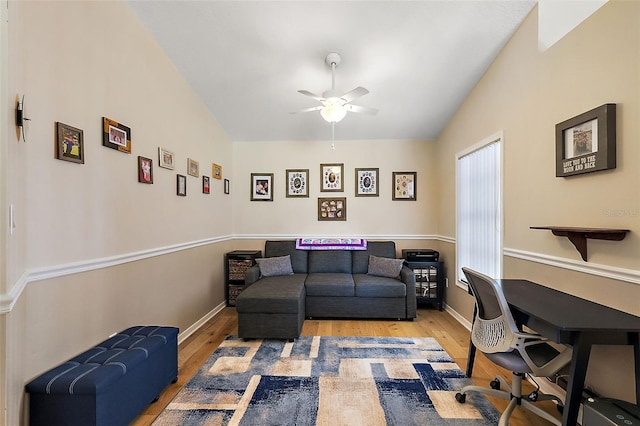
409, 279
251, 275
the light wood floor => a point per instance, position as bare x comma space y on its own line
453, 337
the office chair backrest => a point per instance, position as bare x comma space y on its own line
494, 326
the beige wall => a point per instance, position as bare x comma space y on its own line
95, 251
525, 93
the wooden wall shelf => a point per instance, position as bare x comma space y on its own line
578, 236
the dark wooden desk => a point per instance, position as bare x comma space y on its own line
573, 321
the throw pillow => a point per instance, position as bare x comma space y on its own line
273, 266
384, 266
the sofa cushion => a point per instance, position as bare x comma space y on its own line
321, 261
275, 295
283, 248
372, 286
274, 266
384, 267
376, 248
330, 284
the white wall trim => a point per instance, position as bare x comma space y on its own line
462, 320
368, 237
202, 321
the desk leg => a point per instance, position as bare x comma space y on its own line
578, 372
634, 339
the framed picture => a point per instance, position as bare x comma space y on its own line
405, 186
297, 182
181, 185
261, 186
206, 185
587, 143
69, 143
145, 170
116, 136
193, 167
332, 208
331, 177
226, 186
216, 171
166, 158
367, 182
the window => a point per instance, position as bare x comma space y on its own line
479, 208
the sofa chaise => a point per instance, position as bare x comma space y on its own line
289, 285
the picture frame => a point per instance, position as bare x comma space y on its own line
226, 186
587, 143
193, 168
69, 143
331, 177
145, 170
332, 208
181, 185
367, 182
261, 186
206, 185
166, 158
216, 171
297, 181
116, 135
405, 186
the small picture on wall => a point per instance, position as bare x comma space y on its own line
69, 143
216, 170
193, 167
367, 182
404, 186
166, 158
226, 186
206, 185
145, 170
116, 136
331, 177
261, 186
181, 185
332, 208
297, 182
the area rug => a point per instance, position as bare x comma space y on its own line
328, 381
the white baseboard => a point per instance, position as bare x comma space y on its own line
202, 321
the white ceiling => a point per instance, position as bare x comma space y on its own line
248, 59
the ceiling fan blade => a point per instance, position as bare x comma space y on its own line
361, 109
317, 108
355, 93
311, 95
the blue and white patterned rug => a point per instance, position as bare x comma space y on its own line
328, 381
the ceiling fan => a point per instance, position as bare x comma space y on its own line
334, 104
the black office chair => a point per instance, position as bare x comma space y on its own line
496, 334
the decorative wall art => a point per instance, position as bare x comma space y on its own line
181, 185
116, 136
587, 143
297, 182
404, 186
367, 182
69, 143
216, 171
193, 168
166, 158
334, 209
331, 177
261, 186
206, 185
226, 186
145, 170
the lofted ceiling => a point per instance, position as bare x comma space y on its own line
248, 59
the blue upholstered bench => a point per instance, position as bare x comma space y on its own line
111, 383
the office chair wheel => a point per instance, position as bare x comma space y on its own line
461, 397
495, 384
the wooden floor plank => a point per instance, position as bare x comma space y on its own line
451, 335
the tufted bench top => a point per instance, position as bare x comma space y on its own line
94, 370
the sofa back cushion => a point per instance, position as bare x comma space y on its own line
375, 248
330, 261
283, 248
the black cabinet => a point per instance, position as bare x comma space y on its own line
235, 265
429, 279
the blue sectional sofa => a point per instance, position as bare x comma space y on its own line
368, 283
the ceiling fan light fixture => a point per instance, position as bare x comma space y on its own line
333, 111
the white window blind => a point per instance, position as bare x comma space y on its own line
479, 209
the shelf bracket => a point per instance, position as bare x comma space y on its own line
578, 236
